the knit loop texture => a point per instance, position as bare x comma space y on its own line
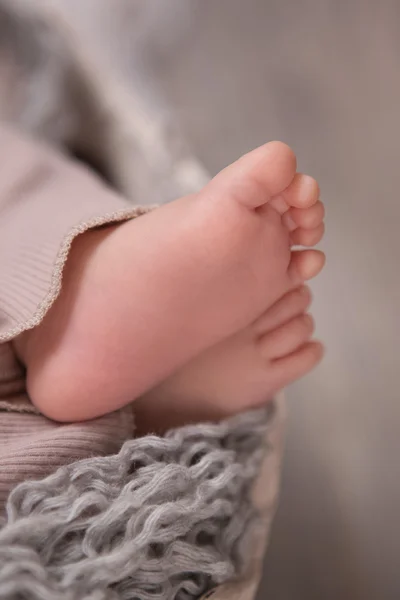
166, 518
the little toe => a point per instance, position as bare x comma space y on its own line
307, 237
293, 304
287, 338
306, 218
288, 369
257, 176
305, 265
303, 191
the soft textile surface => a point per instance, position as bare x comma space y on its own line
164, 519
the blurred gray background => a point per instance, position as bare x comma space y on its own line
324, 77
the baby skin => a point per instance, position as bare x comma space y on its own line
241, 372
195, 311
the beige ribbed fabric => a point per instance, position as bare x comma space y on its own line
45, 202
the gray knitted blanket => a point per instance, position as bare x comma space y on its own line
165, 519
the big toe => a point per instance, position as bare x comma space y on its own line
291, 305
257, 176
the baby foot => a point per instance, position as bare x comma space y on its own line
142, 299
241, 372
267, 207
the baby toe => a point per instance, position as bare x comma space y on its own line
287, 338
307, 218
293, 304
307, 237
288, 369
257, 177
303, 192
304, 265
